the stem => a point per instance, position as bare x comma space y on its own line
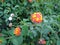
8, 37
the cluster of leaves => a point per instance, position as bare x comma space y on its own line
49, 29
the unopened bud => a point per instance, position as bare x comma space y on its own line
10, 18
12, 15
10, 24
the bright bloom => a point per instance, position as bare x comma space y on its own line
17, 31
36, 17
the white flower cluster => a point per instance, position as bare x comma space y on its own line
10, 19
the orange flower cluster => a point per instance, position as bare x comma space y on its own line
17, 31
36, 17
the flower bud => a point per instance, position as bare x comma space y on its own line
10, 18
12, 15
10, 24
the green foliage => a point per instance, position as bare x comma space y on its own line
49, 29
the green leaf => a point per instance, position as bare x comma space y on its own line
15, 41
58, 42
24, 30
30, 34
20, 39
3, 41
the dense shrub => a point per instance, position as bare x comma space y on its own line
17, 28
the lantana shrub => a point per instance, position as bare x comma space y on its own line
29, 22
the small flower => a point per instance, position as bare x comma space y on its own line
10, 24
12, 15
17, 31
42, 41
36, 17
10, 18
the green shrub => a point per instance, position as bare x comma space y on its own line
49, 29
